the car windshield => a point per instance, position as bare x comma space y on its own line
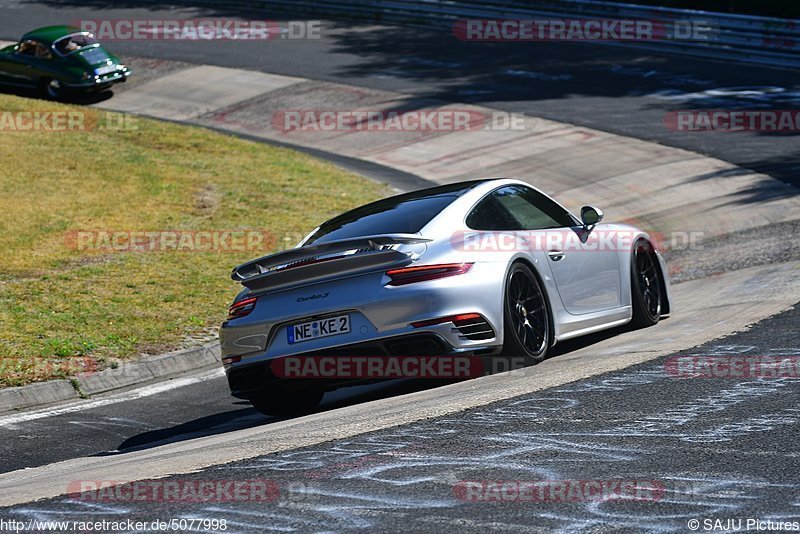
73, 43
403, 214
95, 55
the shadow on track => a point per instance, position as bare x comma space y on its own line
248, 417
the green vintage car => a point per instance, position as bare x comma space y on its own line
60, 59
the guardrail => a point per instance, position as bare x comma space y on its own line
762, 40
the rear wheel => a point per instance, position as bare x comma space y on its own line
526, 320
284, 401
645, 286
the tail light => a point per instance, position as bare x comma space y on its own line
421, 273
242, 307
457, 320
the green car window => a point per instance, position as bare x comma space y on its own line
42, 52
27, 48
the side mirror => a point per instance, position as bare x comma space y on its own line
590, 216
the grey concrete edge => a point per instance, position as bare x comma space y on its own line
125, 375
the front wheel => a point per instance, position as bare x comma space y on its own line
645, 286
526, 319
53, 89
282, 401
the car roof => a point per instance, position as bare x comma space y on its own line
443, 223
49, 34
452, 190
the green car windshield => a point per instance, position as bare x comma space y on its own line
73, 43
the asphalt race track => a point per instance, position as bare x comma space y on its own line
606, 88
199, 408
397, 456
641, 423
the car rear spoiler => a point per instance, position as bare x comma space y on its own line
315, 263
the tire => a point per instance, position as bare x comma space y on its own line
52, 89
281, 401
645, 286
526, 317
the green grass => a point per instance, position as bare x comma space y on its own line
60, 305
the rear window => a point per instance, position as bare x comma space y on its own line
95, 55
401, 216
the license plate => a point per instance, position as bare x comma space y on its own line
329, 326
106, 69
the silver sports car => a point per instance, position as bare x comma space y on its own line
481, 269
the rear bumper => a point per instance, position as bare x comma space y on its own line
382, 318
377, 312
101, 83
251, 380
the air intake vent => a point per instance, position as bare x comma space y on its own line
474, 328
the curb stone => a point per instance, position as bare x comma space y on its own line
17, 398
127, 374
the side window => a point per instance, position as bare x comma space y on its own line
490, 214
27, 48
42, 52
533, 210
518, 208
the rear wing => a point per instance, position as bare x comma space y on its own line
315, 263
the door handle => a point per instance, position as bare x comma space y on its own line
555, 255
